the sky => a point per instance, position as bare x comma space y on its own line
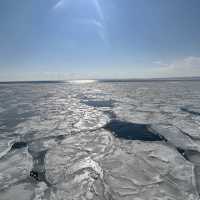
95, 39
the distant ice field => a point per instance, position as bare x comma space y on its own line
85, 140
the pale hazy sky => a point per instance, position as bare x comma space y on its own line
84, 39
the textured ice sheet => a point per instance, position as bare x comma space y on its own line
14, 168
57, 134
149, 171
21, 191
175, 136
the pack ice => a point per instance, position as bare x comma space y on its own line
100, 141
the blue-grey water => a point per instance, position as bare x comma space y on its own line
100, 140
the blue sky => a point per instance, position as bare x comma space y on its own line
86, 39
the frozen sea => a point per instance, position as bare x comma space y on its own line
100, 140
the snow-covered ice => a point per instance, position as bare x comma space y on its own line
100, 140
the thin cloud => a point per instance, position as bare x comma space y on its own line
59, 4
93, 22
98, 9
160, 63
189, 66
98, 23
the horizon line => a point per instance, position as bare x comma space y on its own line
182, 78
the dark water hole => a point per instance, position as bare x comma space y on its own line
190, 155
131, 131
18, 145
38, 176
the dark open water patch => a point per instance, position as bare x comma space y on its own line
95, 103
38, 176
190, 155
18, 145
182, 152
131, 131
